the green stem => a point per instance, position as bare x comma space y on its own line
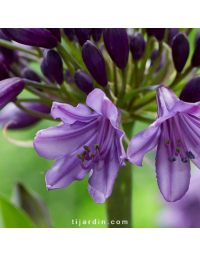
68, 56
136, 74
143, 104
154, 66
119, 204
33, 113
123, 88
45, 98
30, 100
143, 119
179, 76
40, 85
115, 79
12, 46
187, 32
108, 94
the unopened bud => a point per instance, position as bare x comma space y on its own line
191, 91
83, 34
137, 45
83, 81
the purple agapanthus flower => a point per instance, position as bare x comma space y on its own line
86, 141
177, 133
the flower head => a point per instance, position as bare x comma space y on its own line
86, 141
176, 132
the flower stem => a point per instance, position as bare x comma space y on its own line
12, 46
40, 85
123, 88
115, 79
119, 204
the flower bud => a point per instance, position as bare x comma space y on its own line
180, 50
116, 43
40, 37
69, 77
83, 81
12, 113
96, 34
83, 34
4, 73
70, 33
95, 63
31, 75
56, 33
7, 56
159, 33
191, 91
196, 55
172, 32
149, 32
137, 45
9, 89
52, 66
197, 37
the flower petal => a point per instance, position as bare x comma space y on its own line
57, 142
191, 134
120, 148
98, 101
103, 176
173, 177
185, 107
139, 146
69, 114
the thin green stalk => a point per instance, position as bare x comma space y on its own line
12, 46
123, 88
131, 81
40, 85
33, 113
143, 119
179, 76
136, 74
115, 79
154, 66
68, 56
143, 104
45, 98
119, 204
187, 32
107, 91
30, 100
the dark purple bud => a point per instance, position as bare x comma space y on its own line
116, 43
4, 73
70, 33
161, 62
52, 66
196, 55
191, 91
56, 33
9, 89
95, 63
96, 34
69, 77
137, 45
172, 32
31, 75
12, 113
83, 81
159, 33
83, 34
149, 32
180, 50
7, 56
197, 37
40, 37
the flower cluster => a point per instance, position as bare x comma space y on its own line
91, 81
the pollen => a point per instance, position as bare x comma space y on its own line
178, 150
91, 156
97, 147
81, 157
179, 141
86, 148
167, 142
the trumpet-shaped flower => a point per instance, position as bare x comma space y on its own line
87, 141
177, 134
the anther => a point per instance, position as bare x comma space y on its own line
172, 159
84, 153
167, 142
81, 157
190, 155
178, 150
91, 156
184, 160
179, 141
86, 148
97, 147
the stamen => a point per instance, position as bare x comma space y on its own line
172, 159
184, 160
179, 141
166, 135
86, 148
81, 157
178, 150
190, 155
91, 156
167, 142
87, 167
97, 147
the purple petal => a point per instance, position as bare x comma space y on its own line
103, 176
191, 134
139, 146
98, 101
69, 114
173, 177
120, 148
57, 142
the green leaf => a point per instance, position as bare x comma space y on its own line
32, 205
12, 217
